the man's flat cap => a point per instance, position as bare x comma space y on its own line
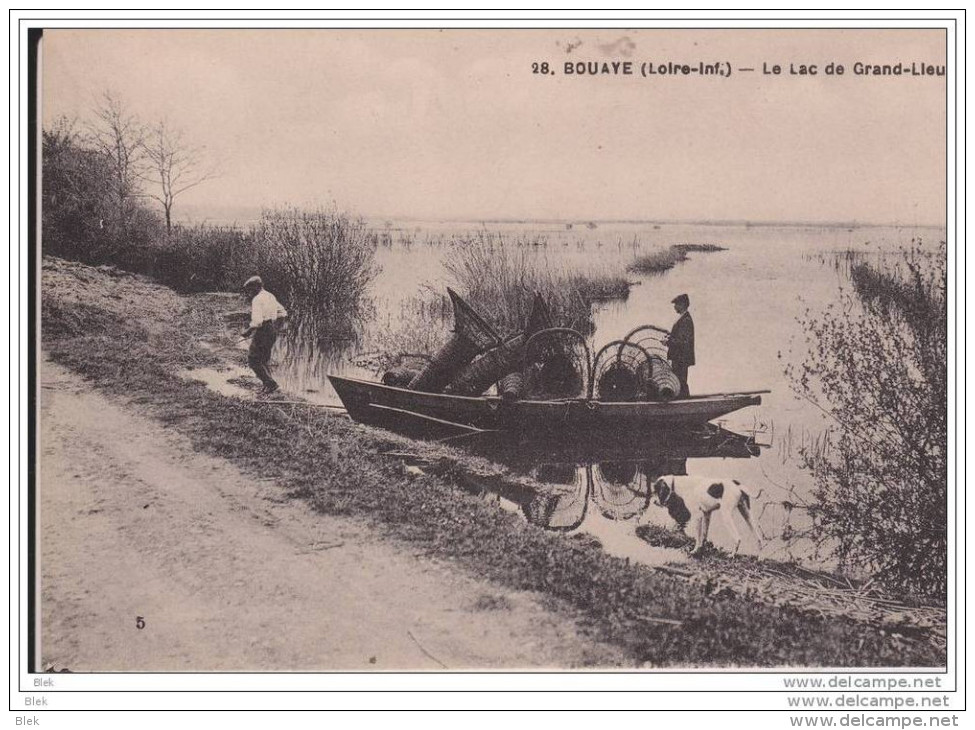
253, 281
681, 299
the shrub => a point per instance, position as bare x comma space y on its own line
82, 218
320, 264
877, 364
205, 258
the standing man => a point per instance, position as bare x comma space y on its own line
267, 316
680, 343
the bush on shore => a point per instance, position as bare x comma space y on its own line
876, 362
321, 263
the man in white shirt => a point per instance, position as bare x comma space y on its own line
267, 316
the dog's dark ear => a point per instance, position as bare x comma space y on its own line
678, 510
716, 490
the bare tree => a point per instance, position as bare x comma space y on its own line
174, 167
118, 136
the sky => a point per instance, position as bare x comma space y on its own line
454, 124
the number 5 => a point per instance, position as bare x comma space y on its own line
140, 623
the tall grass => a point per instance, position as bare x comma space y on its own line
420, 326
500, 277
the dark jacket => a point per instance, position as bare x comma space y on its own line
680, 346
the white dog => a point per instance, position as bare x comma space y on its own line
686, 496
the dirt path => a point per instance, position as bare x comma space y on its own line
228, 575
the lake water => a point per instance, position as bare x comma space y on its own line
745, 302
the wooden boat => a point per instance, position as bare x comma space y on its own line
392, 407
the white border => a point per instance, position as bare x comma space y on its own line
711, 691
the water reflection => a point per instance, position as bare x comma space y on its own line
588, 482
747, 300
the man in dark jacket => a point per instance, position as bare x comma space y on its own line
680, 344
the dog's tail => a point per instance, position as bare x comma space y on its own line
743, 499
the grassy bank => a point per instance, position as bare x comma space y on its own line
657, 262
128, 336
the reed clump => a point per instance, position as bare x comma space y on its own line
500, 277
664, 259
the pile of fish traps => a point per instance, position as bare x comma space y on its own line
471, 336
541, 362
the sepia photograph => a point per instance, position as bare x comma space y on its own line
460, 350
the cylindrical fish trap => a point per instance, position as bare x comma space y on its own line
564, 509
620, 373
557, 365
489, 368
399, 377
472, 335
651, 338
471, 325
512, 386
620, 489
454, 355
620, 473
664, 385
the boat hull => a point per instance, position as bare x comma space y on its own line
377, 404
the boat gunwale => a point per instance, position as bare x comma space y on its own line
706, 398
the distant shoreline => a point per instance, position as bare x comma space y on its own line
252, 215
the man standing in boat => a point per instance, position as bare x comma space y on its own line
267, 317
680, 343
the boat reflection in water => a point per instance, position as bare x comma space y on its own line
603, 487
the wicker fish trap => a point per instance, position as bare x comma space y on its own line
471, 336
507, 358
651, 338
456, 353
403, 368
489, 368
512, 386
399, 377
563, 508
540, 317
556, 365
620, 489
471, 325
621, 372
663, 385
